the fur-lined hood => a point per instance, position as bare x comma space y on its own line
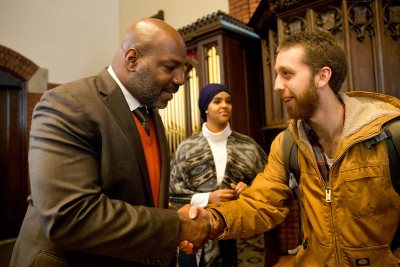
363, 108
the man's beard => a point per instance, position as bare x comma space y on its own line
305, 104
149, 92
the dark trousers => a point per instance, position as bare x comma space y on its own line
227, 258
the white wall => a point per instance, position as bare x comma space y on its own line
70, 38
178, 13
77, 38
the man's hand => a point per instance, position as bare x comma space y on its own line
186, 247
194, 228
215, 228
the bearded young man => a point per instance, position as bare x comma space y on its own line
350, 210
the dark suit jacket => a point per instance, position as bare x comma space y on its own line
91, 202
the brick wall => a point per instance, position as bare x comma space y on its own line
16, 64
243, 9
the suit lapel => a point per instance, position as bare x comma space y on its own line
116, 103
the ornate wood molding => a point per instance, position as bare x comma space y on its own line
216, 21
361, 18
295, 25
283, 5
330, 19
268, 10
391, 17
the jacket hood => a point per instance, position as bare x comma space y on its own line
362, 108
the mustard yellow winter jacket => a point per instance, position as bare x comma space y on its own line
358, 225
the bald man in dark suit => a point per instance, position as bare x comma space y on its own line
99, 180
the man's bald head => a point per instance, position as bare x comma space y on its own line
149, 33
151, 62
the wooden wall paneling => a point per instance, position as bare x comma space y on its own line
7, 152
332, 18
254, 81
388, 43
274, 110
243, 75
13, 159
362, 46
267, 72
202, 46
235, 80
201, 64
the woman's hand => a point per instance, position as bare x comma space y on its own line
221, 195
239, 188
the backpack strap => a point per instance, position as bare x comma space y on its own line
393, 146
289, 157
392, 128
391, 135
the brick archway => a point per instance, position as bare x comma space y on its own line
16, 64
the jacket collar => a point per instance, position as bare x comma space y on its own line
365, 114
363, 108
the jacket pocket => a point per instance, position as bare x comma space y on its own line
46, 259
375, 256
366, 191
315, 255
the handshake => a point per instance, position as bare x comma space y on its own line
196, 227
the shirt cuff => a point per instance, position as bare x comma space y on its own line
200, 199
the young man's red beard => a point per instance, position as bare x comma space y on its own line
305, 104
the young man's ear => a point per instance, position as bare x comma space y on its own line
131, 57
324, 76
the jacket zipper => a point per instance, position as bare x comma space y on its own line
333, 223
328, 194
328, 198
326, 186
